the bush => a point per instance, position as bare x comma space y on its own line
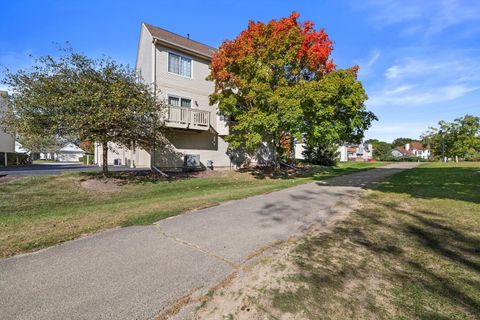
321, 154
406, 159
84, 159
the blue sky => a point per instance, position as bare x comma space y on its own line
419, 60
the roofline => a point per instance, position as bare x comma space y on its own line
172, 44
179, 35
142, 25
183, 48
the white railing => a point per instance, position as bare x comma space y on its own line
182, 117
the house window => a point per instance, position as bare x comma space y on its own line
179, 65
139, 76
179, 102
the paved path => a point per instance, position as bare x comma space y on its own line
135, 272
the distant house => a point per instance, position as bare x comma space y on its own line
68, 153
7, 141
346, 152
356, 152
412, 149
19, 148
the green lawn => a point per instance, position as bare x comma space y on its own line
41, 161
36, 212
412, 251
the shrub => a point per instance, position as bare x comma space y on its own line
321, 154
84, 159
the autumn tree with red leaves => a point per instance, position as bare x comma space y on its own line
268, 79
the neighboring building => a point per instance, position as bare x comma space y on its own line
68, 153
177, 67
412, 149
418, 149
401, 152
346, 152
356, 152
299, 149
20, 149
7, 141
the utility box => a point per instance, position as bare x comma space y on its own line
192, 162
210, 164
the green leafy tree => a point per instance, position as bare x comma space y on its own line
86, 99
37, 143
467, 137
400, 142
333, 109
459, 138
277, 81
381, 149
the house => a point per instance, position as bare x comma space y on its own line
7, 141
412, 149
418, 149
355, 152
346, 152
177, 67
68, 153
400, 151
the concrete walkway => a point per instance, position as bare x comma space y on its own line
135, 272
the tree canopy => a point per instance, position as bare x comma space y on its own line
84, 99
459, 138
278, 83
402, 142
381, 150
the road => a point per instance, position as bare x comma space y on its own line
135, 272
55, 168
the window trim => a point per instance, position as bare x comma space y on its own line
179, 101
181, 56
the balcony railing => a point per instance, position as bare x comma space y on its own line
188, 118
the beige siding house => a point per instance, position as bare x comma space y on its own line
176, 67
7, 142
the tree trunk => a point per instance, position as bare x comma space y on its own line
105, 160
276, 163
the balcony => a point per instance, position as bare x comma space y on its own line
187, 118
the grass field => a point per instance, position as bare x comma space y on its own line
36, 212
412, 251
41, 161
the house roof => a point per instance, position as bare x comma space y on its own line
404, 151
70, 147
415, 145
180, 41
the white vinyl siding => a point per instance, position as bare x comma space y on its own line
179, 65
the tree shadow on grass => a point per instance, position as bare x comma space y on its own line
457, 183
315, 172
449, 254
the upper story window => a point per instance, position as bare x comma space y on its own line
179, 65
139, 76
179, 102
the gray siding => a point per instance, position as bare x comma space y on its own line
7, 142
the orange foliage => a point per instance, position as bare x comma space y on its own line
311, 48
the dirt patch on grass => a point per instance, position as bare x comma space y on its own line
249, 295
107, 185
5, 179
